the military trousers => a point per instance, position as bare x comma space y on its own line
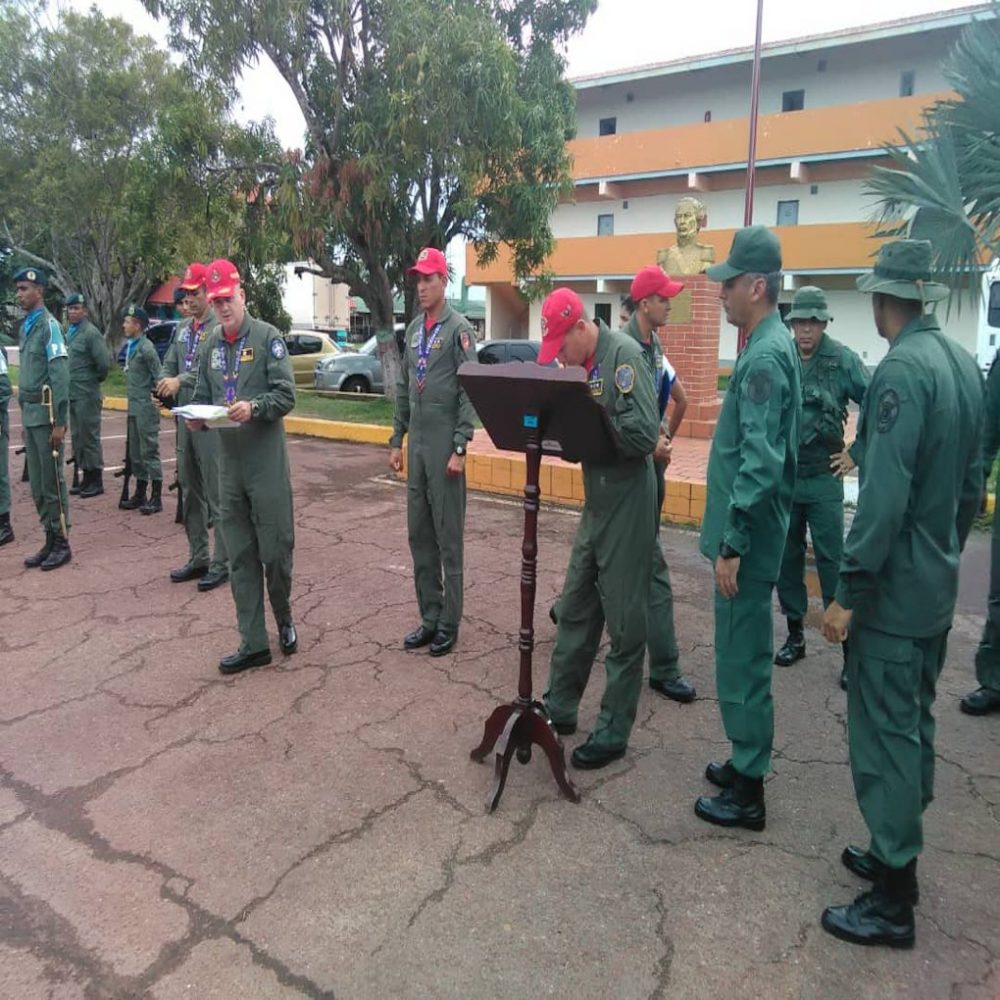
85, 431
818, 503
744, 653
988, 653
258, 535
891, 683
4, 458
435, 519
661, 637
198, 473
607, 581
48, 484
144, 441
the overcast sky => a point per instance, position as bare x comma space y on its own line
622, 33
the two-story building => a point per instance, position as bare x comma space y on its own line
646, 137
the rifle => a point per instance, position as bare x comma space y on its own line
125, 472
176, 485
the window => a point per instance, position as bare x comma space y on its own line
793, 100
602, 311
906, 81
788, 213
708, 116
607, 126
993, 311
606, 225
523, 351
309, 345
491, 354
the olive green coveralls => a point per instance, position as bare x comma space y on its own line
988, 653
609, 571
142, 372
89, 361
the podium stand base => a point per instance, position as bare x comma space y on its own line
513, 729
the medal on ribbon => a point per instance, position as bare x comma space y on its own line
229, 379
423, 352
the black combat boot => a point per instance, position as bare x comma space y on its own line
155, 504
59, 556
6, 531
93, 484
137, 499
42, 554
795, 645
884, 915
75, 488
740, 805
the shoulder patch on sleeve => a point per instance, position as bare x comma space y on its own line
886, 410
625, 378
57, 345
278, 349
759, 386
464, 340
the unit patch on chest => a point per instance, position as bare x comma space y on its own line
247, 354
218, 360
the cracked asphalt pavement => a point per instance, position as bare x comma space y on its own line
316, 828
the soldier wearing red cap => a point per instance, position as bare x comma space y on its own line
197, 454
609, 570
244, 366
651, 293
434, 411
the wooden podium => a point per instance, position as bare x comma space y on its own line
537, 411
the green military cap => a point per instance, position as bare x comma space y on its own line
76, 299
755, 250
903, 269
137, 312
34, 274
810, 303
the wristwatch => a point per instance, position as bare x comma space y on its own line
460, 450
727, 551
254, 409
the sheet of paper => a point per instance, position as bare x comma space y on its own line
214, 416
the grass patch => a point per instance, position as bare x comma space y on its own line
365, 410
723, 383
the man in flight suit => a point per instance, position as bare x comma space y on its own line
142, 372
608, 578
832, 374
244, 366
435, 411
986, 698
650, 294
751, 477
6, 531
89, 361
43, 392
197, 454
920, 436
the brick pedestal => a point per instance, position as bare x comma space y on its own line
692, 345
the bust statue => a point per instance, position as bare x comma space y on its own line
687, 256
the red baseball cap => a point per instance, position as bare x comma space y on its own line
223, 279
652, 281
195, 275
430, 261
560, 312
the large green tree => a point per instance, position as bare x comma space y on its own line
117, 165
425, 119
945, 181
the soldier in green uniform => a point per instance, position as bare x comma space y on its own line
142, 372
650, 294
6, 531
921, 476
751, 478
610, 568
434, 410
43, 392
244, 365
986, 698
89, 361
832, 374
197, 454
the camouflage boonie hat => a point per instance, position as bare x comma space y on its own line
810, 303
903, 270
